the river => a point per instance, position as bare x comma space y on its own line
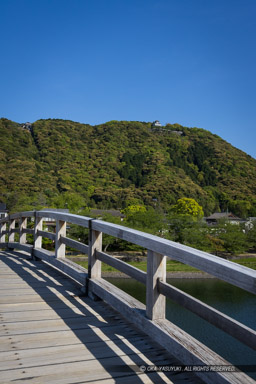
231, 300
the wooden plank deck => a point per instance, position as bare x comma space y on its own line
49, 333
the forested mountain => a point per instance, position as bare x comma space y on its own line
59, 163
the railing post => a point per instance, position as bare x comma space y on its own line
11, 237
23, 235
38, 227
156, 269
60, 248
2, 229
95, 244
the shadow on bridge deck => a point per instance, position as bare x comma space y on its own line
50, 333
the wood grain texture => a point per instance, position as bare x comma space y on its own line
75, 244
22, 226
38, 226
11, 230
233, 273
155, 301
172, 338
94, 264
64, 338
120, 265
68, 217
150, 319
3, 232
60, 248
28, 230
69, 268
22, 214
24, 247
48, 235
244, 334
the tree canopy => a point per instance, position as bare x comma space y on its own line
60, 163
187, 206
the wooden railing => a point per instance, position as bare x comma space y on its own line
152, 317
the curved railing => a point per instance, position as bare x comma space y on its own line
158, 249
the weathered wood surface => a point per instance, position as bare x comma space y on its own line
155, 301
66, 266
11, 230
38, 226
22, 227
68, 217
60, 248
120, 265
23, 247
234, 328
47, 234
3, 245
50, 334
28, 230
174, 339
22, 214
95, 244
75, 244
184, 347
233, 273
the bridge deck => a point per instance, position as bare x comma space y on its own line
49, 333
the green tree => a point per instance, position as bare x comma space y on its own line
109, 164
216, 244
147, 220
69, 200
251, 237
189, 230
177, 224
240, 207
233, 237
197, 236
187, 206
132, 209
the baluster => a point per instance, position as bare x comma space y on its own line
11, 232
22, 234
38, 227
156, 269
60, 248
2, 229
95, 244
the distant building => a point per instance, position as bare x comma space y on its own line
156, 123
217, 216
250, 223
27, 126
3, 210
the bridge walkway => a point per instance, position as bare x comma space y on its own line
51, 333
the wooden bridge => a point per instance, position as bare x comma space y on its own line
52, 332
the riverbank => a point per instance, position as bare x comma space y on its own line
174, 269
169, 275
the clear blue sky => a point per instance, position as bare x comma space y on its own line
191, 62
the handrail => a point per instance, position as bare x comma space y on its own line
155, 278
129, 270
234, 328
228, 271
233, 273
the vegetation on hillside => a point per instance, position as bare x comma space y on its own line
64, 164
163, 181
